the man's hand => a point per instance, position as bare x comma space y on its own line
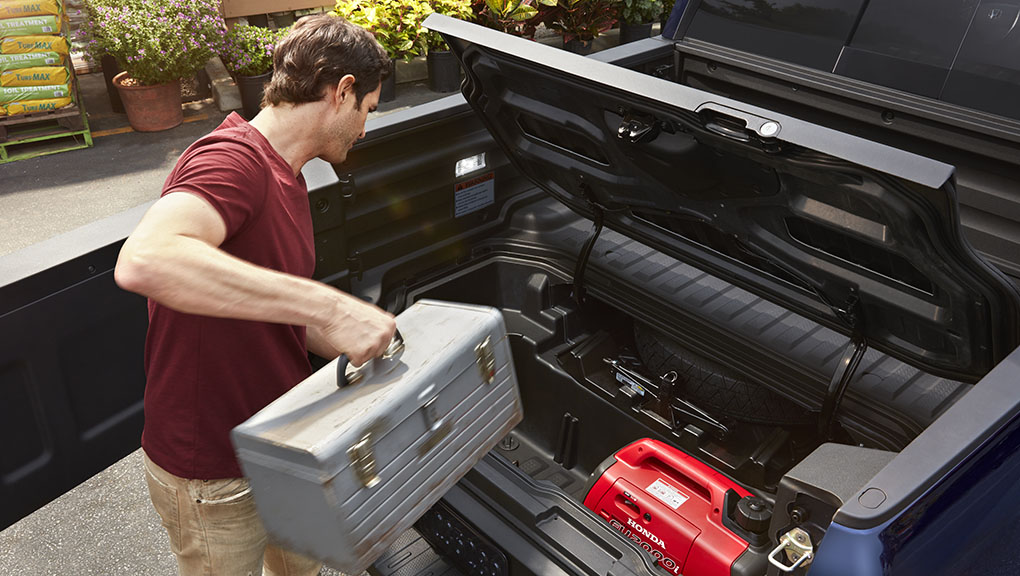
360, 330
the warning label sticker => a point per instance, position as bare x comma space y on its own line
669, 495
474, 194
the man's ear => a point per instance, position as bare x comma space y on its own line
345, 88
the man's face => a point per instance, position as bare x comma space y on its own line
349, 126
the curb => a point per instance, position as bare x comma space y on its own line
225, 91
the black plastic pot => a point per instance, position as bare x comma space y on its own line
260, 20
634, 32
110, 69
283, 19
444, 71
251, 93
582, 47
389, 85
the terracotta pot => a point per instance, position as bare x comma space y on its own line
151, 108
251, 93
444, 71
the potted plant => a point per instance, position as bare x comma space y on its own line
516, 17
248, 55
580, 22
155, 43
443, 67
396, 24
636, 18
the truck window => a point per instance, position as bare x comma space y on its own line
909, 45
807, 32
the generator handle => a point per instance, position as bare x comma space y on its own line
678, 468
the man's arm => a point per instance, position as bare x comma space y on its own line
173, 257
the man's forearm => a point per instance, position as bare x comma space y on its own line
173, 257
191, 276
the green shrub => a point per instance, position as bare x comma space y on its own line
640, 11
460, 9
396, 24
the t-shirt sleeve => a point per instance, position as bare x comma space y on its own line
227, 174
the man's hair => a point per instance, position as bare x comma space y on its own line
317, 53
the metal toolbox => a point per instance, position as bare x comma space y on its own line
339, 473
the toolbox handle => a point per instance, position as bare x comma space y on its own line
341, 371
395, 348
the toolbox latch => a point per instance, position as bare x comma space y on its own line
363, 461
486, 360
437, 427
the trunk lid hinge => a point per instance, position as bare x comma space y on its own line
598, 213
354, 266
348, 193
850, 314
347, 189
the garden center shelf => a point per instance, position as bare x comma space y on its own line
30, 135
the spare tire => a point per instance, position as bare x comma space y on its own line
714, 387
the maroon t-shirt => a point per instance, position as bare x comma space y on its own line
206, 375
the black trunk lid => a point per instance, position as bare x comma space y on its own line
859, 236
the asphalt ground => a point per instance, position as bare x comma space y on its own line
106, 526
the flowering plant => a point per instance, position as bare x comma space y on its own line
248, 50
154, 41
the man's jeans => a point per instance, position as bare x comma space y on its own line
214, 529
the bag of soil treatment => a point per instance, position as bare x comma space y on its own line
43, 105
10, 94
29, 60
23, 8
37, 43
37, 76
30, 26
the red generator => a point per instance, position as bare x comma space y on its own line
693, 520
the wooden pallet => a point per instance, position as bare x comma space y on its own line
40, 133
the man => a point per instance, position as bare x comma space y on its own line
225, 257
